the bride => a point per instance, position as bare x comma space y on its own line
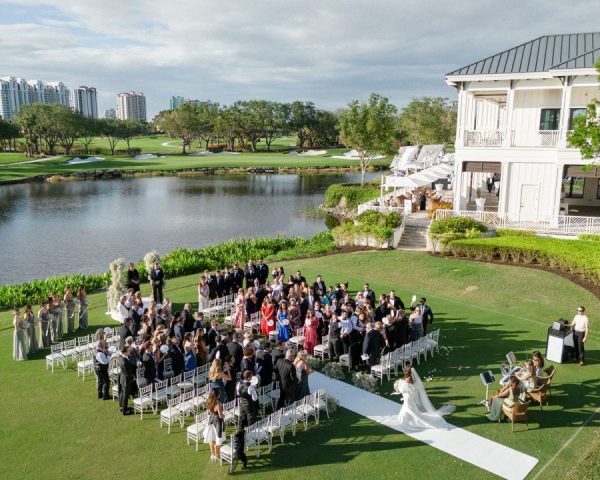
417, 412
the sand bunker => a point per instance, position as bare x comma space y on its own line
77, 160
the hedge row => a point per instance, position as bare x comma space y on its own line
379, 226
579, 257
181, 261
354, 194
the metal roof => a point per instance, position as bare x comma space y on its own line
576, 50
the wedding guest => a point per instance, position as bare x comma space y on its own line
508, 395
267, 323
395, 301
101, 362
283, 324
416, 325
19, 341
251, 303
124, 308
124, 332
203, 294
239, 317
176, 355
127, 374
157, 279
373, 344
311, 325
581, 328
82, 323
229, 369
212, 335
235, 348
148, 362
220, 351
336, 348
189, 359
303, 370
214, 434
200, 349
248, 398
262, 272
403, 328
219, 284
264, 363
248, 362
426, 313
133, 278
70, 305
45, 325
294, 315
237, 278
217, 378
538, 362
56, 310
30, 320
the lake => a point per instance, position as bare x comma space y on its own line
49, 229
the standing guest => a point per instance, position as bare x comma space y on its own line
220, 351
210, 282
237, 278
217, 378
383, 309
283, 324
250, 274
319, 284
200, 349
262, 272
426, 314
235, 348
198, 323
30, 320
395, 301
124, 332
416, 325
219, 284
278, 353
248, 398
373, 344
19, 342
336, 348
70, 305
403, 328
45, 326
251, 302
294, 315
148, 362
248, 362
203, 294
133, 278
229, 369
101, 361
239, 317
581, 328
188, 318
124, 308
212, 335
166, 309
264, 363
214, 434
368, 294
83, 308
267, 323
288, 380
157, 280
303, 370
178, 329
56, 310
298, 278
189, 359
176, 354
126, 379
311, 325
227, 282
347, 328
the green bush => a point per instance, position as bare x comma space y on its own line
181, 261
373, 218
379, 226
353, 193
589, 237
455, 225
509, 232
580, 257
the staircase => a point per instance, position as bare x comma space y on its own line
415, 232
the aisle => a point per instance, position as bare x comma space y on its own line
479, 451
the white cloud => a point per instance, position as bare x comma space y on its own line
327, 51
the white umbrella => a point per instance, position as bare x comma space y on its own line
404, 182
425, 175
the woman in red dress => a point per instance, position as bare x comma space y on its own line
310, 332
267, 323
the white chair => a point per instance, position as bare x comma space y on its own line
86, 364
188, 405
227, 454
173, 389
201, 376
201, 396
264, 397
383, 368
297, 341
421, 348
159, 395
273, 336
307, 408
231, 412
253, 324
188, 381
512, 359
70, 349
345, 360
289, 417
168, 368
432, 342
257, 434
82, 345
194, 431
321, 401
275, 394
275, 427
55, 357
143, 401
139, 377
321, 351
229, 314
172, 414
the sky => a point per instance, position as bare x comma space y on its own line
326, 51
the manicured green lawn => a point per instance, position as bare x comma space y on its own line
175, 162
9, 157
53, 424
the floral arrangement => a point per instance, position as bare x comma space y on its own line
365, 381
314, 363
117, 283
332, 404
334, 370
150, 259
217, 148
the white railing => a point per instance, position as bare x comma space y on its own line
484, 138
398, 232
559, 225
539, 138
363, 207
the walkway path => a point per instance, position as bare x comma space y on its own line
38, 160
168, 144
479, 451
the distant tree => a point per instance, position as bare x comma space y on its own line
251, 118
302, 117
183, 122
90, 128
369, 128
109, 128
207, 120
323, 131
9, 132
128, 129
70, 127
428, 120
226, 126
29, 120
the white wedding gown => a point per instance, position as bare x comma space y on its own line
417, 412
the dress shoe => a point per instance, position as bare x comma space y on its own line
127, 412
581, 364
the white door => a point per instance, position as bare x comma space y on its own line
530, 197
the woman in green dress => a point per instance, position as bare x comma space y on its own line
19, 348
56, 310
83, 307
70, 305
509, 395
45, 326
30, 320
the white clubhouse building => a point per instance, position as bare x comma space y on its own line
515, 109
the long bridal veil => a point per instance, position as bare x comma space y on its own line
422, 399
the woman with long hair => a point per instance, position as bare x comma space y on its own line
200, 348
303, 370
30, 320
283, 324
239, 317
19, 345
214, 433
45, 326
217, 378
203, 294
267, 323
56, 310
311, 324
70, 305
83, 307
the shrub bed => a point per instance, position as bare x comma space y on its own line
509, 232
353, 193
445, 230
370, 224
181, 261
580, 257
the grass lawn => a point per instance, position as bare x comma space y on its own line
175, 162
54, 426
10, 157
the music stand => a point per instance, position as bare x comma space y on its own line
512, 359
487, 378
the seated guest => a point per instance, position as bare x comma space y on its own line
538, 362
176, 355
509, 395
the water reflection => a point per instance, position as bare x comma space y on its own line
53, 229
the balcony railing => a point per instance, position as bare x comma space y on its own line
495, 138
484, 138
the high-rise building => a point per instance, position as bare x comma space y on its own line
84, 101
110, 113
175, 102
14, 92
131, 106
56, 92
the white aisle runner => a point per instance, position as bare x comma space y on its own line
481, 452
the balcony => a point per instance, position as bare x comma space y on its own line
484, 138
496, 138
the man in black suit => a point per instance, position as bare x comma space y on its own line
288, 380
250, 273
278, 353
126, 380
179, 329
219, 349
227, 282
157, 279
372, 345
264, 364
188, 318
133, 278
395, 301
335, 342
368, 294
262, 272
298, 278
426, 313
235, 348
124, 332
319, 284
237, 278
403, 328
382, 309
176, 354
212, 335
219, 284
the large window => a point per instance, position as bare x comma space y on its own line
573, 187
576, 113
550, 119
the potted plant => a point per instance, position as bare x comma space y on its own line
479, 201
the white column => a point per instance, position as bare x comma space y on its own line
565, 110
510, 105
462, 115
504, 190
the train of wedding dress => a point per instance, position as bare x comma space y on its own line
417, 412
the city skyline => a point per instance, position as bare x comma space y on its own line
326, 54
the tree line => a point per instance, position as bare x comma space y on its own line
241, 126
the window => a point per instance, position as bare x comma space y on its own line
576, 113
550, 118
573, 187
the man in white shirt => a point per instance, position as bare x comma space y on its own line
101, 361
581, 328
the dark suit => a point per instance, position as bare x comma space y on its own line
250, 273
149, 367
335, 343
220, 285
124, 332
277, 354
179, 331
369, 295
264, 367
381, 311
372, 345
126, 381
398, 303
235, 349
319, 286
427, 316
188, 321
223, 353
177, 361
211, 339
227, 283
133, 279
262, 273
288, 381
402, 332
299, 279
237, 279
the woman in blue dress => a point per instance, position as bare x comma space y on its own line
217, 378
45, 326
283, 324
